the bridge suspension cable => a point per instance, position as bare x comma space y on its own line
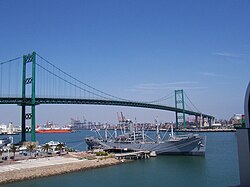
53, 82
76, 86
191, 103
164, 98
74, 82
9, 77
14, 59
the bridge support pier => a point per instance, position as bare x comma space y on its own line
23, 138
179, 101
30, 58
209, 120
201, 121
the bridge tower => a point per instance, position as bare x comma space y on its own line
179, 103
28, 59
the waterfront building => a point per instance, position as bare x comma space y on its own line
3, 128
10, 129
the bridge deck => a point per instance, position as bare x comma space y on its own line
20, 101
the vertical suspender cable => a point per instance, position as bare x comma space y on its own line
54, 83
75, 89
17, 74
1, 74
80, 91
64, 87
9, 79
44, 81
48, 83
38, 79
58, 83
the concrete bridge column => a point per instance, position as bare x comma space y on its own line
213, 120
201, 121
209, 122
196, 120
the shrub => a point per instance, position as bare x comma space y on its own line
102, 153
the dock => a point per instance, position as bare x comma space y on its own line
133, 155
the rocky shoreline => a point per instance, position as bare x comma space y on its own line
44, 171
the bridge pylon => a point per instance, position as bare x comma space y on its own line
28, 59
179, 103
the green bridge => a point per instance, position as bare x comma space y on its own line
49, 81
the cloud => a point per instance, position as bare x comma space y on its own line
226, 54
155, 87
161, 85
211, 74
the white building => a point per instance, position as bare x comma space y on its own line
3, 128
10, 129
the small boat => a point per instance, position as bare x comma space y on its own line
5, 141
189, 144
53, 146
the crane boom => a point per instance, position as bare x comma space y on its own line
119, 119
123, 118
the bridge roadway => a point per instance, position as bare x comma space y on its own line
27, 101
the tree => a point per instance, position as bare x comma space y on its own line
46, 148
60, 147
31, 146
13, 148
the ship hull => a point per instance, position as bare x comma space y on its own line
194, 145
53, 131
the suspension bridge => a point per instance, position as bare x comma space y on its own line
32, 80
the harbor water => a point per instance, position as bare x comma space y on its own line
219, 167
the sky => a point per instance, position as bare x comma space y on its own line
135, 49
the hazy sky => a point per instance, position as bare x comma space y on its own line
135, 49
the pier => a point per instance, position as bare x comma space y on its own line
133, 155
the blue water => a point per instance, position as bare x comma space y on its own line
218, 168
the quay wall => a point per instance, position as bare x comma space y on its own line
32, 173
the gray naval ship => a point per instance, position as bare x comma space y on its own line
189, 144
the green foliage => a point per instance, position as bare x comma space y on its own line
46, 148
31, 146
60, 147
101, 153
13, 148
